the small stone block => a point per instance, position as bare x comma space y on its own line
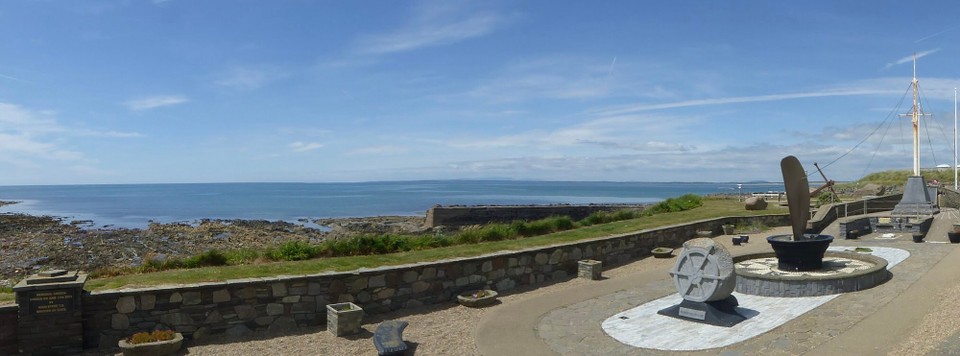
589, 269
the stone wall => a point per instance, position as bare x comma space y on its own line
457, 216
8, 329
827, 214
285, 303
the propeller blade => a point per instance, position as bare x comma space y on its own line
798, 194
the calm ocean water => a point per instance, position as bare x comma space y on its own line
133, 205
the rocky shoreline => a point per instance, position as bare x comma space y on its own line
30, 243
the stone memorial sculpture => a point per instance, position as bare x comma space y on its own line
799, 251
705, 277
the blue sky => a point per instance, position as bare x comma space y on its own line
157, 91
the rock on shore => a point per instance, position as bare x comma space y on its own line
30, 243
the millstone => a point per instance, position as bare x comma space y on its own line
704, 271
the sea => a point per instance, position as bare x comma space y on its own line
136, 205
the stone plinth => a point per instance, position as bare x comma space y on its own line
51, 314
842, 272
589, 269
916, 200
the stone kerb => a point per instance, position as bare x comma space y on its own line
283, 303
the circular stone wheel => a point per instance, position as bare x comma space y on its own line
704, 271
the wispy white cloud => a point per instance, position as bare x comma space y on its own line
27, 135
16, 118
304, 146
250, 78
613, 132
572, 78
153, 102
111, 134
16, 79
924, 38
649, 146
21, 132
24, 144
533, 85
627, 109
909, 58
379, 150
433, 25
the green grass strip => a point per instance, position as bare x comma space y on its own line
711, 209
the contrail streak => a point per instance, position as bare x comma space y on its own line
16, 79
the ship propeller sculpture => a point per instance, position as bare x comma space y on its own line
799, 251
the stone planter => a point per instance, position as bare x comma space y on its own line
662, 252
728, 229
918, 238
589, 269
157, 348
477, 298
344, 318
805, 254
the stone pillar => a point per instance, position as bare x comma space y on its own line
51, 314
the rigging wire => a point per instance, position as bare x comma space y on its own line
930, 143
890, 115
939, 128
889, 123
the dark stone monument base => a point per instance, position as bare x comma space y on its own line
804, 254
50, 315
917, 200
720, 313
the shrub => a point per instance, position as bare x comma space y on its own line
423, 242
594, 218
673, 205
561, 223
496, 232
242, 256
603, 217
210, 258
293, 251
154, 264
467, 236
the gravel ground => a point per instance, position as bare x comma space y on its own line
445, 329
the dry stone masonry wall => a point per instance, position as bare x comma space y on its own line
285, 303
456, 216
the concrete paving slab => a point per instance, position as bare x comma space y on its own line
642, 327
568, 319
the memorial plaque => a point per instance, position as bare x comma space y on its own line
50, 302
50, 319
692, 313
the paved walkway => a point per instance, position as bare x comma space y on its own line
913, 313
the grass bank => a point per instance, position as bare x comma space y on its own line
899, 177
712, 208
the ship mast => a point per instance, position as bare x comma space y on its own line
915, 116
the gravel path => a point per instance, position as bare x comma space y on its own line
446, 329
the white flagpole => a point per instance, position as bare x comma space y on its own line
954, 138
